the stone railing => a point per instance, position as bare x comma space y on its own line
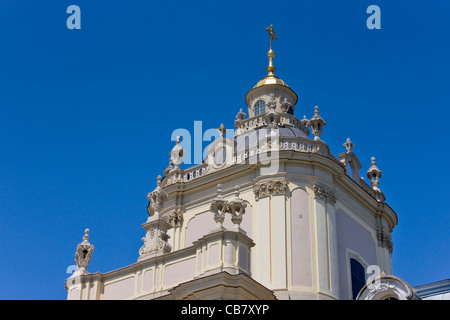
179, 175
260, 120
152, 276
284, 143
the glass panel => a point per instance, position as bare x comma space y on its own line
260, 107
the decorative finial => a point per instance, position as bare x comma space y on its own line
271, 69
374, 174
158, 180
304, 120
316, 123
348, 145
86, 235
240, 115
83, 254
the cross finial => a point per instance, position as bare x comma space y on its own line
271, 69
271, 32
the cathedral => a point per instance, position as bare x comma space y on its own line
270, 214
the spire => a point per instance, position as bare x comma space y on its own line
271, 79
271, 69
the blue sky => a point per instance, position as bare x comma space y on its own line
86, 116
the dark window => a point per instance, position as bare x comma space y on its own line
291, 111
358, 277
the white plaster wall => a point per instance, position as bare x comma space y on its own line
119, 290
179, 272
300, 239
352, 237
198, 226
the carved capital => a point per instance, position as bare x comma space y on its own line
271, 187
174, 218
324, 193
384, 240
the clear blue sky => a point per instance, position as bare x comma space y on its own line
86, 116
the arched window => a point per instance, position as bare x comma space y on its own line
358, 277
291, 111
260, 107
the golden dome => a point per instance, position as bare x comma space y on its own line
269, 80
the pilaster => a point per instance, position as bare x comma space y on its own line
326, 241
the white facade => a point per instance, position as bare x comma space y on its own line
288, 232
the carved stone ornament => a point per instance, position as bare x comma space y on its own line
382, 287
272, 117
384, 240
174, 218
83, 253
324, 193
156, 198
237, 209
156, 238
387, 287
219, 207
348, 145
272, 187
